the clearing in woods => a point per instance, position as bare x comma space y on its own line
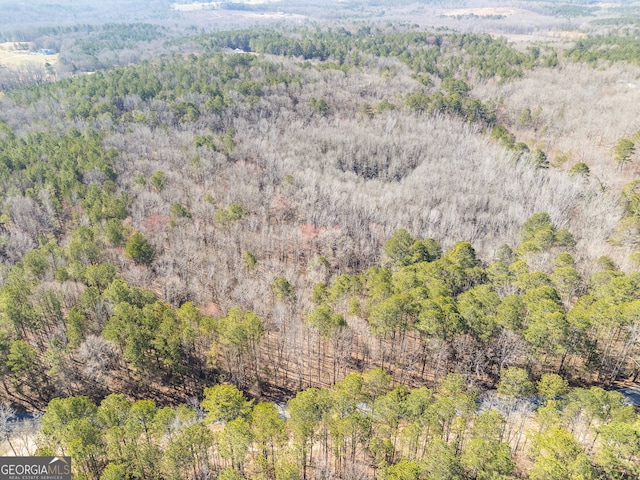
13, 58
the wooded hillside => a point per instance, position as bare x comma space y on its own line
371, 226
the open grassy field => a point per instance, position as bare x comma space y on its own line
12, 58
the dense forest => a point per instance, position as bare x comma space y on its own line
347, 250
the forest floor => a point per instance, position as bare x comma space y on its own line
24, 432
23, 447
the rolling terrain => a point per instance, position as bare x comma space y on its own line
374, 240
